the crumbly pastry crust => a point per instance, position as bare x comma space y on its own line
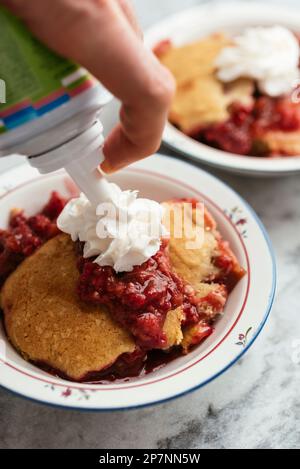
46, 321
202, 102
196, 266
201, 98
283, 143
48, 324
192, 265
191, 61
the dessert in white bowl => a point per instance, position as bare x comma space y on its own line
214, 121
235, 93
245, 309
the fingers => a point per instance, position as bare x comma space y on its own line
145, 88
138, 135
141, 124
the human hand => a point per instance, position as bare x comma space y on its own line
104, 37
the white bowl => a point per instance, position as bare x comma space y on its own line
249, 304
190, 25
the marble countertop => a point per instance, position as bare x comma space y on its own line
256, 404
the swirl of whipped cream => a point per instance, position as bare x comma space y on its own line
122, 231
269, 55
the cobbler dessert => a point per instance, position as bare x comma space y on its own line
238, 93
88, 322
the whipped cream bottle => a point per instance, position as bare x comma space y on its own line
49, 111
45, 100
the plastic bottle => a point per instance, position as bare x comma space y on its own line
49, 107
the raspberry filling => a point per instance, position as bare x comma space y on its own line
241, 133
26, 234
230, 270
141, 299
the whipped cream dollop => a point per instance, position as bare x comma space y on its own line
269, 55
122, 231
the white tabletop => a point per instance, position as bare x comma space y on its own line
256, 404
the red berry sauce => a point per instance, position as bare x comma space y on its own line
141, 299
26, 234
241, 132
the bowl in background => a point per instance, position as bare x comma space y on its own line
192, 24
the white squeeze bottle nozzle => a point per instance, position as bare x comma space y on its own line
81, 157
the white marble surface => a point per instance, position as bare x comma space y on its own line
256, 404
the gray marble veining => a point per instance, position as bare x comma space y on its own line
256, 404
